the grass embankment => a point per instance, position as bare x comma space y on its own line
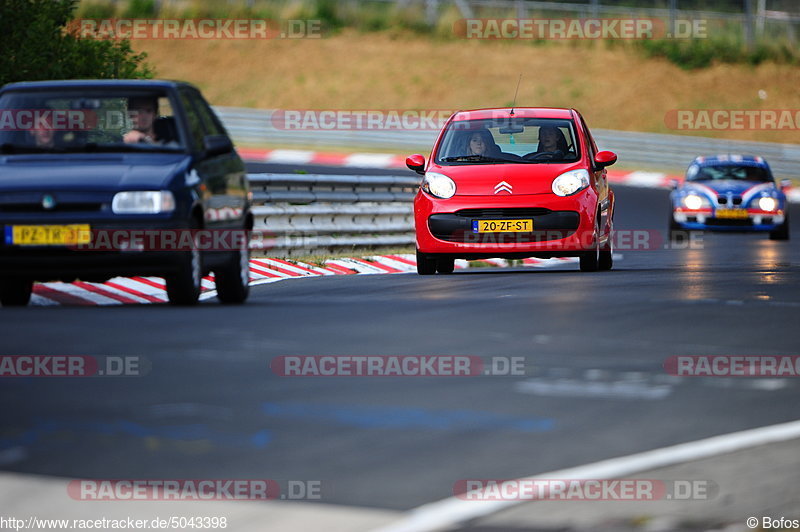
614, 88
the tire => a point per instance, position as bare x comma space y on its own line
183, 286
15, 292
590, 260
445, 266
233, 279
606, 259
782, 232
425, 264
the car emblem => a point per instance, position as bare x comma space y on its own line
502, 186
48, 202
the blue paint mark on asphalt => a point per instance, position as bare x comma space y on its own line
390, 417
42, 428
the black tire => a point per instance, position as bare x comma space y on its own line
445, 266
590, 260
425, 264
782, 232
183, 286
233, 279
606, 259
15, 292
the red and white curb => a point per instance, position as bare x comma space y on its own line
146, 290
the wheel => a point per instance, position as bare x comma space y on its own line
425, 264
782, 232
15, 292
606, 260
233, 279
590, 260
183, 286
445, 265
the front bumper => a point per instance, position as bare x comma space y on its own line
561, 226
707, 220
57, 262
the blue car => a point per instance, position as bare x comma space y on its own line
110, 178
730, 193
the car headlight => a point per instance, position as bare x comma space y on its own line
438, 185
571, 182
694, 202
143, 202
767, 204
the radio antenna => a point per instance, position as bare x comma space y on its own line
514, 104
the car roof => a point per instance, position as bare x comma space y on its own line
520, 112
96, 83
730, 159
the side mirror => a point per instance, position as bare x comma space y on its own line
786, 184
416, 162
217, 144
674, 183
604, 158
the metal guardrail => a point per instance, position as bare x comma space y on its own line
305, 214
255, 126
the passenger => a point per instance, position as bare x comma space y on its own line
552, 140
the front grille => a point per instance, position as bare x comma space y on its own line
724, 201
547, 225
60, 207
468, 237
729, 222
737, 201
519, 212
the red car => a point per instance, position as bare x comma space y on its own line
513, 183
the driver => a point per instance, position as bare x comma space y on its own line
143, 113
552, 140
479, 143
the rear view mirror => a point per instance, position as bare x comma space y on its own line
512, 130
674, 183
786, 184
416, 162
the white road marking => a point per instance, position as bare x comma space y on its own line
450, 512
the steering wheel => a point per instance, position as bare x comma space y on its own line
543, 155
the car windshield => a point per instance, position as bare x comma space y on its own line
78, 120
509, 140
728, 171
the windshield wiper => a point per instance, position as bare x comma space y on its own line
477, 158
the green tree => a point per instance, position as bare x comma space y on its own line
37, 43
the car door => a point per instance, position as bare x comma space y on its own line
223, 174
598, 176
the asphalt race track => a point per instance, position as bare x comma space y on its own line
594, 346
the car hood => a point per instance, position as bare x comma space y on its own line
90, 171
723, 187
486, 179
